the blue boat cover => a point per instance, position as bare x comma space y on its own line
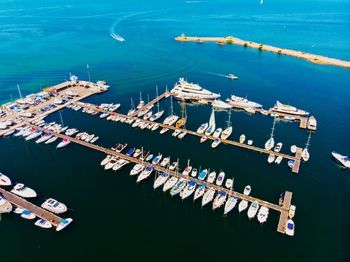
290, 226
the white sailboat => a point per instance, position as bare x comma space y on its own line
141, 103
305, 153
212, 124
271, 142
171, 119
208, 196
253, 209
199, 192
219, 199
160, 180
228, 131
132, 108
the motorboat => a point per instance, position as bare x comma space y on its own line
291, 164
199, 192
142, 112
179, 186
343, 160
287, 109
157, 159
43, 138
94, 139
247, 190
165, 161
120, 163
221, 104
241, 102
149, 158
253, 209
137, 153
4, 180
63, 143
145, 174
182, 135
51, 140
290, 227
269, 144
216, 143
18, 210
264, 112
229, 183
176, 133
23, 191
181, 122
203, 174
232, 77
114, 107
160, 180
242, 205
187, 170
279, 160
211, 177
220, 178
184, 90
208, 196
54, 206
43, 223
226, 133
104, 115
137, 169
263, 214
203, 139
164, 130
173, 166
201, 129
194, 172
131, 151
27, 214
217, 132
289, 118
250, 142
212, 126
120, 147
291, 212
64, 223
250, 110
9, 132
242, 139
305, 155
271, 158
170, 183
136, 123
111, 163
171, 120
189, 189
155, 126
148, 115
219, 199
230, 204
5, 206
312, 123
293, 149
278, 147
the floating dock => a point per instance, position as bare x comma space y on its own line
24, 204
317, 59
283, 210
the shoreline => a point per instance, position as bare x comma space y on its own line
316, 59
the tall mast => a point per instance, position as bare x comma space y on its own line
273, 127
61, 118
229, 119
157, 96
147, 98
308, 141
171, 106
88, 71
132, 104
19, 91
140, 97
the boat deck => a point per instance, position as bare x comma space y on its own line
282, 209
24, 204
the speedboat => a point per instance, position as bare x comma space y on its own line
211, 177
241, 102
226, 133
247, 190
165, 161
242, 139
173, 166
203, 139
217, 132
187, 170
106, 160
220, 178
94, 139
131, 151
290, 227
27, 214
149, 158
18, 210
201, 129
145, 174
160, 180
43, 138
343, 160
290, 163
278, 147
148, 115
54, 206
269, 144
194, 172
4, 180
271, 158
181, 122
176, 133
111, 163
208, 196
51, 140
230, 204
184, 90
43, 223
242, 205
164, 130
202, 175
170, 183
137, 153
216, 143
179, 186
190, 188
63, 143
182, 135
263, 214
23, 191
199, 192
34, 135
155, 126
137, 169
170, 120
104, 115
10, 132
229, 183
120, 147
63, 224
219, 199
287, 109
157, 159
305, 154
232, 77
5, 206
253, 209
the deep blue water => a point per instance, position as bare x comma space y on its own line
42, 41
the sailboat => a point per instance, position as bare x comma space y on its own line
212, 125
171, 119
141, 103
271, 142
159, 114
228, 131
305, 153
180, 123
132, 108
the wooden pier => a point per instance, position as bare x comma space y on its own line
24, 204
152, 103
281, 228
296, 158
284, 210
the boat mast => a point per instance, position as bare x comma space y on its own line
132, 105
273, 127
140, 97
61, 118
157, 96
229, 118
88, 71
171, 106
308, 141
19, 91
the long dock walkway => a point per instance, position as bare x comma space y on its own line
24, 204
153, 102
317, 59
296, 158
282, 209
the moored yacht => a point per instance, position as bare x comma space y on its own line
160, 180
202, 175
63, 143
211, 177
179, 186
165, 161
221, 104
43, 223
253, 209
190, 188
27, 214
241, 102
64, 223
202, 128
54, 206
5, 206
145, 174
290, 227
343, 160
208, 196
217, 132
230, 204
226, 133
4, 180
199, 192
220, 178
287, 109
263, 214
170, 183
137, 169
219, 199
23, 191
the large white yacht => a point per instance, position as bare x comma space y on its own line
184, 90
241, 102
344, 160
54, 206
23, 191
287, 109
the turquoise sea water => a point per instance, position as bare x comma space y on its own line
42, 41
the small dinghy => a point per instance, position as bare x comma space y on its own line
27, 214
43, 223
63, 224
4, 180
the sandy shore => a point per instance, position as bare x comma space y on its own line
317, 59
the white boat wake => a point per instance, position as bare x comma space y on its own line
117, 37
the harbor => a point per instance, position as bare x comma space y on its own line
316, 59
